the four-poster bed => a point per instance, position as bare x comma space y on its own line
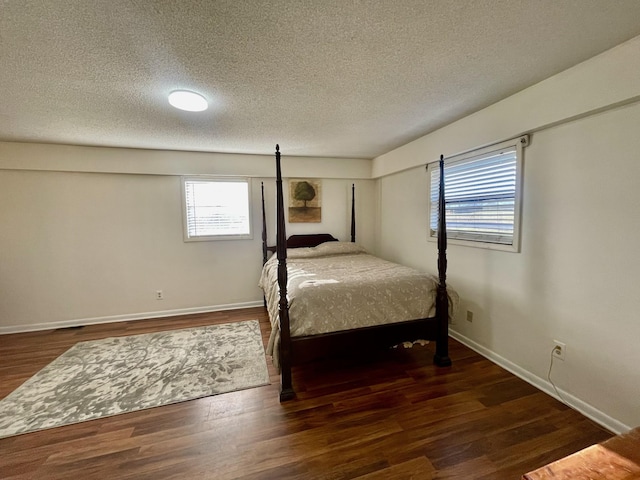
333, 296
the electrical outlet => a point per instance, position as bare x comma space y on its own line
159, 295
469, 316
559, 350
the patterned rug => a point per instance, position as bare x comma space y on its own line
124, 374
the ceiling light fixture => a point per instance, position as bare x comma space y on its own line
189, 101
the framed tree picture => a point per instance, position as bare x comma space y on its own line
305, 204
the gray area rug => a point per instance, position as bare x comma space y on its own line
123, 374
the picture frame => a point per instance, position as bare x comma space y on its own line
305, 201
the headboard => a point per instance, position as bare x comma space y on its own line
309, 240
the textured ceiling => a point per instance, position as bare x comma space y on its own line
336, 78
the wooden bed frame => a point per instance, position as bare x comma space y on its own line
297, 350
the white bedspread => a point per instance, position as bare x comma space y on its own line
339, 286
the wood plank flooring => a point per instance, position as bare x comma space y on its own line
393, 415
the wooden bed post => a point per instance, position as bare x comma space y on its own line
353, 212
264, 236
286, 388
264, 228
441, 357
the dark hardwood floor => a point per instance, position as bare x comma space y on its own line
392, 415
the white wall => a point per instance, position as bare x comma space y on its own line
80, 244
576, 277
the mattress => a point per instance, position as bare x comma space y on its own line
338, 286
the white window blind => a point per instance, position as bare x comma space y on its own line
481, 196
216, 208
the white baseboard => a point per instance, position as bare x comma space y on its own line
79, 322
577, 404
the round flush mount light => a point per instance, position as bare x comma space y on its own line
189, 101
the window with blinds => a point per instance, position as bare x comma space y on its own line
482, 196
216, 208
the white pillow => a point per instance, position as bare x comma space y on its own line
338, 248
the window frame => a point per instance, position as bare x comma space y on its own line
214, 179
518, 143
